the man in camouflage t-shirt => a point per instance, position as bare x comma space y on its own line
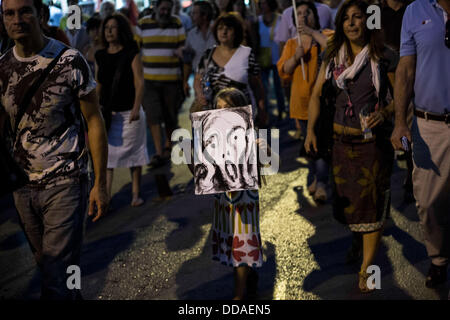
49, 144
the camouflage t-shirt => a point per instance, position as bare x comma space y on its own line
49, 141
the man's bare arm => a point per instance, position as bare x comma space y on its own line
403, 91
99, 151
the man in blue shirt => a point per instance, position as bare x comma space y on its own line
424, 68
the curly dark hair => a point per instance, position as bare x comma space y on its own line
232, 21
372, 37
124, 32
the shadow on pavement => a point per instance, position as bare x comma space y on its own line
335, 279
217, 283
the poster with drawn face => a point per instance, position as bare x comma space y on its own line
224, 150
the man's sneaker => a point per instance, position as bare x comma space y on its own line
436, 276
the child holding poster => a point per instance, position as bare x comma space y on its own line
236, 239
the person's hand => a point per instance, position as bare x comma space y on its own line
285, 83
187, 89
299, 53
304, 29
311, 143
98, 198
179, 52
134, 115
400, 130
375, 118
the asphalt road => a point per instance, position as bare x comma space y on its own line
162, 249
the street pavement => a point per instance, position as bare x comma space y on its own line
162, 250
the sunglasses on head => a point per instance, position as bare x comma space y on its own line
447, 34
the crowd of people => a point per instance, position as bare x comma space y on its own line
354, 94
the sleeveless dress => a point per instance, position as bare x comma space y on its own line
361, 168
236, 239
234, 74
127, 142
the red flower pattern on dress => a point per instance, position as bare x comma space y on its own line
254, 242
238, 244
254, 254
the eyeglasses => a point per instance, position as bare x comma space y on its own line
447, 34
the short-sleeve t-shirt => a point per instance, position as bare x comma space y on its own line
49, 141
422, 35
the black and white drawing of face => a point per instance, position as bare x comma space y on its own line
228, 146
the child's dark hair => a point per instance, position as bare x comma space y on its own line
233, 97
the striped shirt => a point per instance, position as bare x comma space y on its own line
158, 48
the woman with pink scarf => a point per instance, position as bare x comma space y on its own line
354, 74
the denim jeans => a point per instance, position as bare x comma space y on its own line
53, 221
318, 169
265, 74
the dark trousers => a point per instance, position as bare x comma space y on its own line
53, 222
319, 168
265, 74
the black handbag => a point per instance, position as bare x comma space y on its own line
12, 176
324, 124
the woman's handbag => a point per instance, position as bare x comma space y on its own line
324, 124
12, 176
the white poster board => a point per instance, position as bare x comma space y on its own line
224, 150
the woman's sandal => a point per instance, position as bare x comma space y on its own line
362, 282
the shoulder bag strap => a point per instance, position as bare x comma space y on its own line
25, 103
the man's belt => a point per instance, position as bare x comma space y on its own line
432, 116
